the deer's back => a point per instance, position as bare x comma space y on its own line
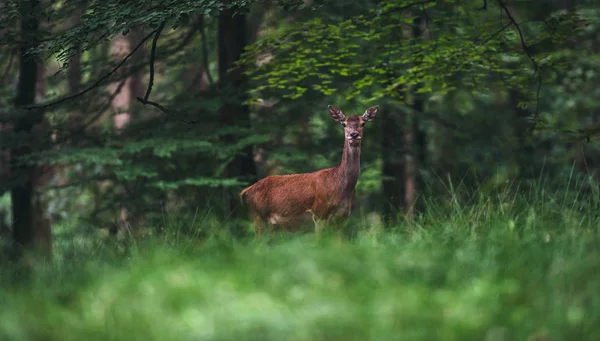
284, 197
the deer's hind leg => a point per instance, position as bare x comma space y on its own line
258, 222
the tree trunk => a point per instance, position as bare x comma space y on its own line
393, 165
415, 140
121, 46
74, 71
137, 87
124, 111
232, 40
419, 157
198, 75
30, 229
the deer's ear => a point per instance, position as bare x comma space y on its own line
336, 113
370, 113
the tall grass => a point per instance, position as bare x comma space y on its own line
511, 266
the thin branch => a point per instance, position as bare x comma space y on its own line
72, 133
523, 43
166, 111
536, 116
145, 100
416, 3
493, 35
536, 67
189, 35
106, 106
152, 59
8, 67
97, 82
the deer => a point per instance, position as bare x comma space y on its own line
325, 196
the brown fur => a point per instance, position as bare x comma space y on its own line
289, 201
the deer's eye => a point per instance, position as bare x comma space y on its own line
344, 125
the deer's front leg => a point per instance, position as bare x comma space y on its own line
319, 211
319, 226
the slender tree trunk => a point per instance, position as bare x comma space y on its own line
137, 87
74, 73
198, 75
124, 111
419, 152
524, 149
415, 140
30, 229
410, 174
121, 46
393, 164
419, 29
231, 40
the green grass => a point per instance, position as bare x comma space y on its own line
509, 268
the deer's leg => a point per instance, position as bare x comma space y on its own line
258, 230
320, 225
257, 222
319, 210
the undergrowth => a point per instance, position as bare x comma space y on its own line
513, 266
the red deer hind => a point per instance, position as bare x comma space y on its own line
288, 201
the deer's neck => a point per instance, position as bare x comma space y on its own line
349, 168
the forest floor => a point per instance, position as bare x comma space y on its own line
514, 267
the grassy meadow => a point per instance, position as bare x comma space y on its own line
514, 266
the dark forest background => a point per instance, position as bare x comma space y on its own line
128, 129
115, 113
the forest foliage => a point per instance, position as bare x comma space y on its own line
473, 92
129, 128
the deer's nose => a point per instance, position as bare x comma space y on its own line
353, 134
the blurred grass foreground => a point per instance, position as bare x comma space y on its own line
509, 268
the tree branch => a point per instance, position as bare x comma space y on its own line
145, 100
166, 111
106, 106
493, 35
523, 43
152, 59
80, 130
9, 66
413, 4
97, 82
536, 67
189, 35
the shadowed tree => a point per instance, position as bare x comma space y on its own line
232, 38
30, 229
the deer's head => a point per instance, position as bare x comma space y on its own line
353, 125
